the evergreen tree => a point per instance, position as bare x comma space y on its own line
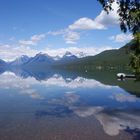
129, 13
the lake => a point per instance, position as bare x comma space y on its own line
66, 105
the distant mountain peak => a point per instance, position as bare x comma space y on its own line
67, 57
40, 58
67, 53
80, 55
42, 54
23, 56
20, 60
57, 57
2, 62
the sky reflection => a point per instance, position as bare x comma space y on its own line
114, 108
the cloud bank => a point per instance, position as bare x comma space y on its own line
121, 38
16, 51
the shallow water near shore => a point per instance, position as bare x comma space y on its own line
42, 105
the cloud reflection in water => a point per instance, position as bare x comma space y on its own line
112, 120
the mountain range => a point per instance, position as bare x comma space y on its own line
115, 57
40, 59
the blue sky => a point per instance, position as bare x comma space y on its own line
53, 27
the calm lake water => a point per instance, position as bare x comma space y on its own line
58, 105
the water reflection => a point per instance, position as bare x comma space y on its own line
112, 120
61, 94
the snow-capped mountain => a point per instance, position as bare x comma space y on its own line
20, 61
2, 63
56, 58
68, 56
81, 55
40, 58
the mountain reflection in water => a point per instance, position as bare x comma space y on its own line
52, 94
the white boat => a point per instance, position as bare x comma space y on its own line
123, 75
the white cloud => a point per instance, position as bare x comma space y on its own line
37, 38
55, 33
71, 37
86, 24
108, 19
33, 40
102, 21
121, 38
9, 52
27, 42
